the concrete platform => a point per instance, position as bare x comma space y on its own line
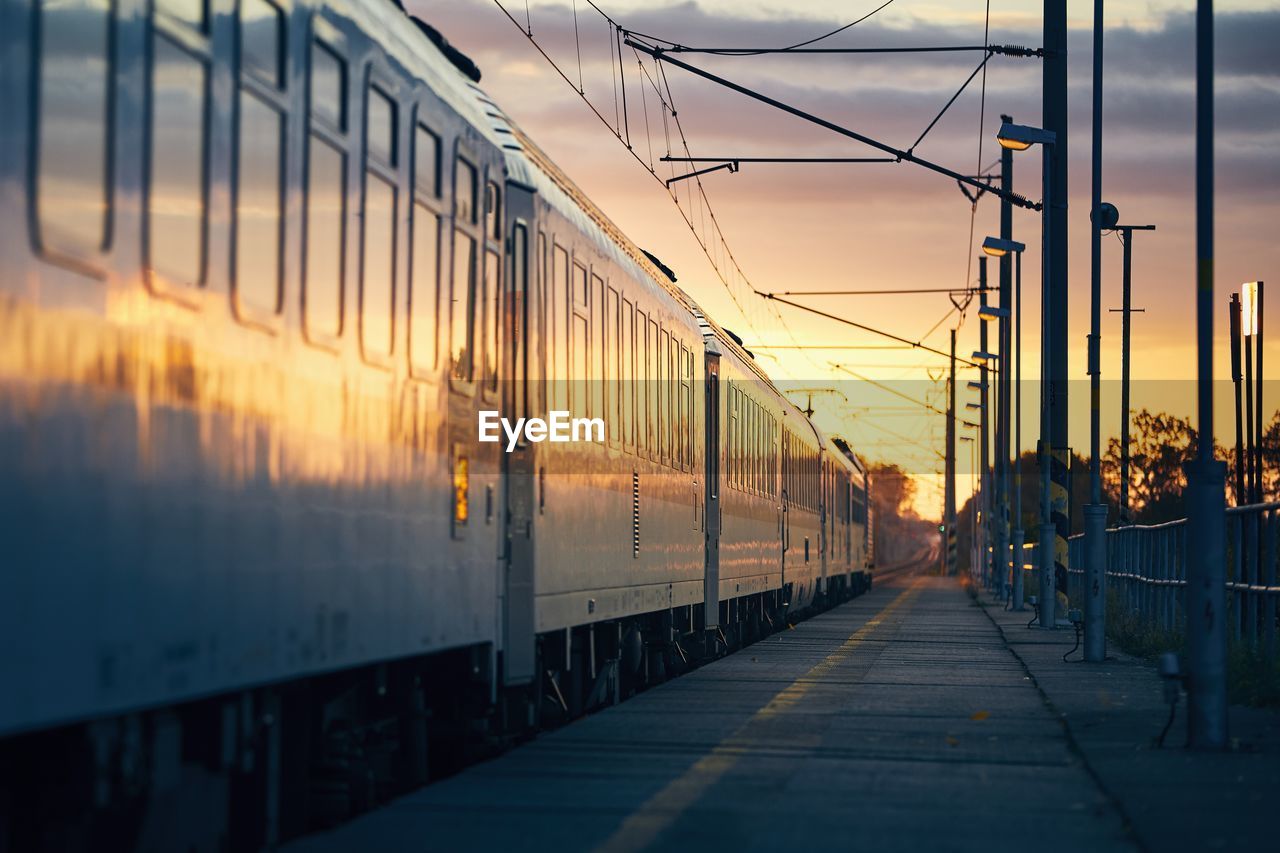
899, 721
1172, 798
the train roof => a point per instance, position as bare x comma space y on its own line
529, 165
846, 451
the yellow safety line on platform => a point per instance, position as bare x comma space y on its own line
661, 810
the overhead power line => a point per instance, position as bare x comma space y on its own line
663, 55
866, 328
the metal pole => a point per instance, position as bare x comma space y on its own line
1257, 409
1095, 513
1236, 378
1206, 568
1055, 120
988, 570
1048, 530
1126, 320
1125, 516
949, 511
1016, 504
1250, 472
1003, 395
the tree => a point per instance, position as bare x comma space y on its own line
898, 530
1160, 444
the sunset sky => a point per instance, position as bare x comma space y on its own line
833, 227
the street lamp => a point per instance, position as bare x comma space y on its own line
998, 247
1020, 137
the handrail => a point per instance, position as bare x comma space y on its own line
1146, 573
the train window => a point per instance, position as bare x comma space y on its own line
259, 205
580, 344
655, 388
557, 326
377, 280
674, 414
464, 193
598, 372
423, 289
664, 397
194, 13
580, 366
627, 378
492, 211
426, 162
461, 297
492, 319
735, 436
520, 316
380, 132
642, 383
262, 39
611, 366
326, 214
542, 363
686, 411
176, 184
73, 126
328, 86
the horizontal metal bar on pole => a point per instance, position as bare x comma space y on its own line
1001, 49
663, 54
670, 159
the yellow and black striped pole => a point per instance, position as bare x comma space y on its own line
1060, 505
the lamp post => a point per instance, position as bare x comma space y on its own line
1206, 603
1018, 137
1251, 325
978, 510
1000, 467
1095, 512
1126, 238
998, 247
987, 564
973, 505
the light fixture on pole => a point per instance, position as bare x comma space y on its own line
996, 247
1020, 137
975, 385
979, 355
992, 312
1251, 293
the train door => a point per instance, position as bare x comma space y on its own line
711, 574
519, 400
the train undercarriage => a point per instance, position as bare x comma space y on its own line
248, 770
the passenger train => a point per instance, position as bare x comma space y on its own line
262, 265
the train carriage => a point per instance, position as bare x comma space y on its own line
265, 264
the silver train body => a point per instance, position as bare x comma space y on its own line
263, 266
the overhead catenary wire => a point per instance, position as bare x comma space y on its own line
757, 51
725, 268
864, 327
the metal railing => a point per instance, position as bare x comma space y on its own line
1147, 573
